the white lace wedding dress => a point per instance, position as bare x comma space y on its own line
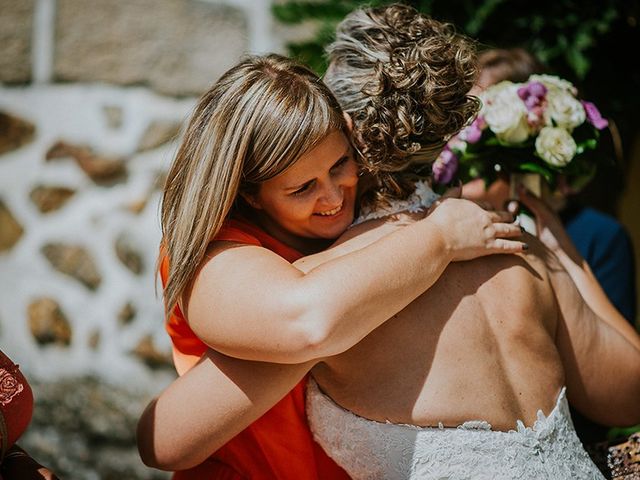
367, 449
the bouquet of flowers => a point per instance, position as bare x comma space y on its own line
539, 127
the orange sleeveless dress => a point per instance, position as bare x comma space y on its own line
279, 445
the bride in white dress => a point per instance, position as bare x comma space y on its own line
472, 379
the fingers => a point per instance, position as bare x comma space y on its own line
500, 245
500, 216
507, 230
484, 204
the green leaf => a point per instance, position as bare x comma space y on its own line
532, 167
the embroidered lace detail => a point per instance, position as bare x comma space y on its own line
421, 199
366, 449
9, 386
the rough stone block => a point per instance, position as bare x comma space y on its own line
50, 198
147, 352
101, 169
16, 23
178, 47
128, 254
14, 132
10, 229
75, 261
47, 322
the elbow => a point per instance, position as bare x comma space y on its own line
145, 440
311, 333
163, 458
150, 453
153, 452
320, 336
308, 329
305, 341
623, 408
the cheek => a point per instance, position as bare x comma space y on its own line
296, 210
351, 176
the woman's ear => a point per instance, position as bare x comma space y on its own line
349, 121
251, 200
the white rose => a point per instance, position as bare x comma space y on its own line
555, 146
554, 83
564, 110
506, 114
487, 96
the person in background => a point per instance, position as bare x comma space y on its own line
598, 238
601, 240
16, 408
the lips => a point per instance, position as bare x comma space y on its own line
330, 213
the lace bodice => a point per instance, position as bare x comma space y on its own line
421, 199
366, 449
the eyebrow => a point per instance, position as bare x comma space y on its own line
303, 184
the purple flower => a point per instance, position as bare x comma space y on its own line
445, 167
593, 115
473, 132
532, 94
537, 89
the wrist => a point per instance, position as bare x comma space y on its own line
440, 239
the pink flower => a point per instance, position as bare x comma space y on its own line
445, 167
593, 115
532, 94
473, 132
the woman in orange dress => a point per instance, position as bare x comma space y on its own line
265, 175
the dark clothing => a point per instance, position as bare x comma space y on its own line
606, 246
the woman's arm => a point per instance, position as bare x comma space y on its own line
226, 394
600, 350
555, 238
206, 407
601, 359
248, 302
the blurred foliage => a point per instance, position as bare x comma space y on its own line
591, 43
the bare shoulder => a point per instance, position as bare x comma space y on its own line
357, 237
229, 264
238, 259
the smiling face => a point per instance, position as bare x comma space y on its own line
313, 199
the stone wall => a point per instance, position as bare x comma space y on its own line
16, 21
93, 96
177, 49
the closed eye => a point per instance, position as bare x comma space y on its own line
340, 163
304, 188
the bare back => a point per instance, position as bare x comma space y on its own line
478, 345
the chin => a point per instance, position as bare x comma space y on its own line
336, 230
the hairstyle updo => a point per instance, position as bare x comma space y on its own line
404, 78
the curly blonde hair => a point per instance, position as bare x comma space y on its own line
404, 79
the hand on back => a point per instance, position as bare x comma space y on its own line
471, 231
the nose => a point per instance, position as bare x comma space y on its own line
332, 194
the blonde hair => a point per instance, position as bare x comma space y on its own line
404, 78
253, 124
